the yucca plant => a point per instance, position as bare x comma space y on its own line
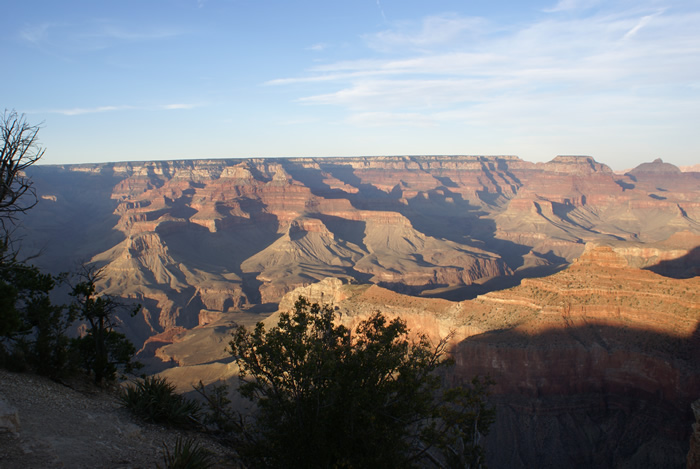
187, 454
154, 399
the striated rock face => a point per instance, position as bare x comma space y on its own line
327, 291
194, 240
595, 366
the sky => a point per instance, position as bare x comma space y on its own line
133, 80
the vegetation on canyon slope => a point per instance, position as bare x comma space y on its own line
370, 396
33, 328
325, 395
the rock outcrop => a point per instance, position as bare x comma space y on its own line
9, 417
655, 167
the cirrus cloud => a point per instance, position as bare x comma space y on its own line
77, 111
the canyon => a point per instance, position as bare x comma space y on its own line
574, 287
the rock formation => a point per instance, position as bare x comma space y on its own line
599, 349
195, 240
9, 417
595, 366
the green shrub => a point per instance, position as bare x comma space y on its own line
33, 328
102, 349
188, 454
154, 399
371, 396
15, 358
219, 416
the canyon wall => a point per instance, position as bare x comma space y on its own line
193, 239
594, 366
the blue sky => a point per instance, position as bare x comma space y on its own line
154, 79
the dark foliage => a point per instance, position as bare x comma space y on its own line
34, 328
187, 454
19, 149
328, 396
219, 417
154, 400
103, 351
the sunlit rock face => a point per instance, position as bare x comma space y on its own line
189, 239
594, 366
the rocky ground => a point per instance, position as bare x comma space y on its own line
79, 426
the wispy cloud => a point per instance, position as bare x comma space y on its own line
573, 75
568, 5
381, 10
69, 39
574, 56
434, 31
318, 47
169, 107
77, 111
388, 119
36, 33
108, 30
457, 63
425, 94
300, 121
642, 22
